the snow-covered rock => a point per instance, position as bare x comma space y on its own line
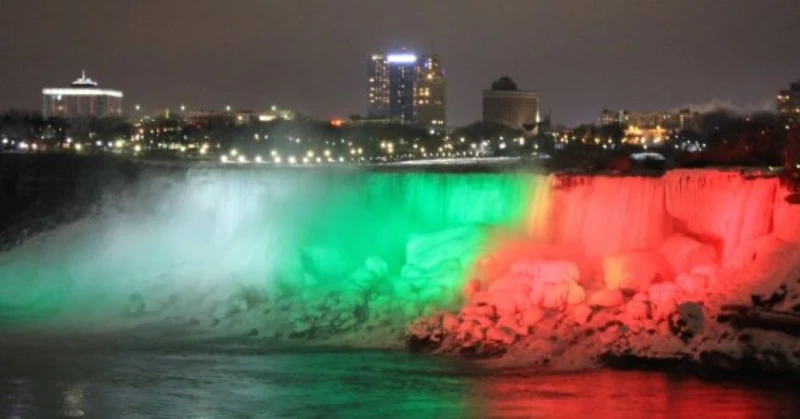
511, 283
576, 294
581, 314
528, 267
450, 322
532, 316
635, 271
685, 253
505, 303
637, 309
500, 335
692, 284
554, 272
757, 250
511, 323
606, 298
556, 296
663, 291
479, 310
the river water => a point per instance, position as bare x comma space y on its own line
237, 381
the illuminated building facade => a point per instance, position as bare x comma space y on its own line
239, 117
645, 136
378, 87
406, 88
684, 119
82, 99
506, 104
789, 104
429, 93
402, 70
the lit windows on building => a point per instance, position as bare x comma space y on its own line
82, 99
406, 88
430, 92
789, 104
683, 119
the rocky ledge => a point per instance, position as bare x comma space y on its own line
677, 305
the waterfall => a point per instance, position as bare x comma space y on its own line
722, 208
201, 247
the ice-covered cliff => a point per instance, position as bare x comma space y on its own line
695, 265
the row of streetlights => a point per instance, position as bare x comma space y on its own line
228, 108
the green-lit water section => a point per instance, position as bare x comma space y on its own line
272, 253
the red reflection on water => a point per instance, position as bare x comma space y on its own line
613, 394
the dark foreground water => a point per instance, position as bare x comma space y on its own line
243, 382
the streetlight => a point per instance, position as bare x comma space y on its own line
183, 108
227, 108
137, 108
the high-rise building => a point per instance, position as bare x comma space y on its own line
789, 103
378, 87
505, 104
402, 70
429, 93
406, 88
82, 99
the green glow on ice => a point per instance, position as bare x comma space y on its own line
395, 240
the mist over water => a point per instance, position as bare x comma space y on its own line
165, 235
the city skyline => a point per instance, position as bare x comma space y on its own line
203, 55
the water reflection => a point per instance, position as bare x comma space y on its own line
232, 383
616, 394
73, 401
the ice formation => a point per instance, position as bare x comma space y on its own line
558, 269
695, 265
285, 254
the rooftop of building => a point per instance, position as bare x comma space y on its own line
84, 81
504, 83
83, 86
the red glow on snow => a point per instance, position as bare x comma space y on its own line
632, 251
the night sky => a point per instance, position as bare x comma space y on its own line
310, 55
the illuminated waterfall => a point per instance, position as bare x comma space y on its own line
310, 253
179, 247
